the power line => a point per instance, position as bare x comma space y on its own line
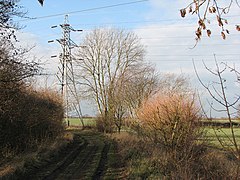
129, 22
149, 38
178, 45
160, 37
145, 21
85, 10
193, 55
190, 60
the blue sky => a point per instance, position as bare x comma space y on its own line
86, 19
168, 37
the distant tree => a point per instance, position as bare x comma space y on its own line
131, 89
203, 8
138, 84
106, 58
171, 83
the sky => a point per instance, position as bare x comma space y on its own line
169, 39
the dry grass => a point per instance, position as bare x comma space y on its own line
17, 163
145, 160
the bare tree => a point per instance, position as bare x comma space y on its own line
13, 64
139, 83
170, 83
108, 54
8, 10
217, 89
203, 8
131, 89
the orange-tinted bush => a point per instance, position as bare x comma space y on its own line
170, 120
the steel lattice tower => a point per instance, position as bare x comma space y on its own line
66, 78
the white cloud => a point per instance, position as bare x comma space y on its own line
41, 53
168, 45
172, 44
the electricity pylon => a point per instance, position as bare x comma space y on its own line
66, 78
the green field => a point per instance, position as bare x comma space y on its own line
224, 134
222, 120
76, 121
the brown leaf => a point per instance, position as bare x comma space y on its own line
183, 12
238, 27
204, 26
198, 33
200, 22
214, 9
210, 10
190, 9
223, 35
209, 32
197, 7
220, 23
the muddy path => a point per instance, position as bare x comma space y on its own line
89, 156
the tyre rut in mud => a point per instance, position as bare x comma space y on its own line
87, 157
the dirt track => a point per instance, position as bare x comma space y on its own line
89, 156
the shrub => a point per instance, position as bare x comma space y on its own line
104, 124
170, 120
28, 118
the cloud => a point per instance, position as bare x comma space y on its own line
168, 44
41, 53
